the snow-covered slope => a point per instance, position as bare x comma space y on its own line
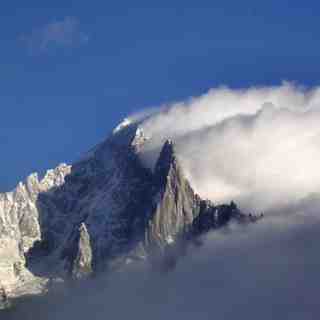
101, 212
20, 225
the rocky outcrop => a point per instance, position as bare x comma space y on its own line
82, 262
105, 210
20, 225
175, 205
178, 215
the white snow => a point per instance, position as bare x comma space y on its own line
126, 122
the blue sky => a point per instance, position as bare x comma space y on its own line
70, 70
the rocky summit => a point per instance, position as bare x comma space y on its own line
102, 212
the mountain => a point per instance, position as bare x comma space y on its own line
104, 211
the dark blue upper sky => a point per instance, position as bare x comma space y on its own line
70, 70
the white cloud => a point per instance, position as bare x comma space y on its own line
259, 146
263, 271
57, 34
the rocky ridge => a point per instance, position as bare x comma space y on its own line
101, 212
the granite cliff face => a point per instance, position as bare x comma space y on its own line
20, 229
104, 211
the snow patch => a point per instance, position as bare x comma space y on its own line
126, 122
170, 240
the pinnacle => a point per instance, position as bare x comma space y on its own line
166, 160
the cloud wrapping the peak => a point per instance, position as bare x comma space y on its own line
57, 34
259, 146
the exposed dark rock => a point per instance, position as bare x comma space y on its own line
175, 205
105, 210
4, 300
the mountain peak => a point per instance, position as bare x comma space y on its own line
124, 123
93, 215
167, 154
128, 134
167, 160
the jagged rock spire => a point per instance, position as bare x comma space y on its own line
167, 155
82, 264
167, 161
175, 201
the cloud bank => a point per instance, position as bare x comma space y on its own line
264, 271
58, 34
259, 146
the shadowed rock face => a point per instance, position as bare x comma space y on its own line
175, 205
100, 212
178, 215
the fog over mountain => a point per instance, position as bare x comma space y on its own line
268, 270
258, 147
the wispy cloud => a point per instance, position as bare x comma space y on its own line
57, 34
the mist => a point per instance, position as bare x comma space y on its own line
258, 146
265, 271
